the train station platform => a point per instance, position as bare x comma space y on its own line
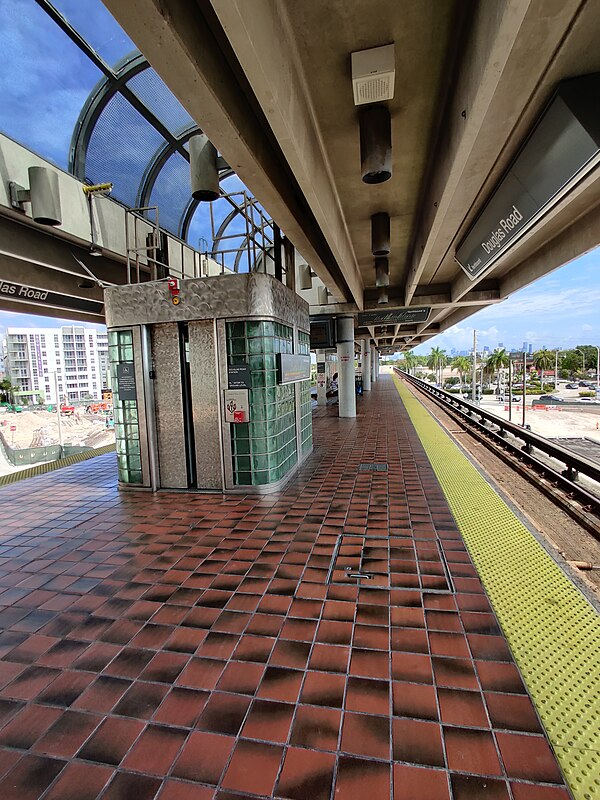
385, 627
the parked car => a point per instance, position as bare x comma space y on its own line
572, 386
547, 400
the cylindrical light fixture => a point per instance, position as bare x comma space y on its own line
382, 271
203, 168
383, 297
322, 296
44, 195
375, 144
304, 276
380, 234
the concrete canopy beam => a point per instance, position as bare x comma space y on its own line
187, 47
262, 37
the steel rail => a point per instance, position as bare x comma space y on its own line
557, 483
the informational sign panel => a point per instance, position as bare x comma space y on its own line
126, 388
393, 317
320, 367
238, 376
236, 405
29, 294
564, 141
292, 368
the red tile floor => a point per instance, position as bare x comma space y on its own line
187, 647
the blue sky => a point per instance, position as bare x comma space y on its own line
45, 80
559, 310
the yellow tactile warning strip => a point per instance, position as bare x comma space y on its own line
553, 632
50, 466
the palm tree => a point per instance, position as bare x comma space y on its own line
462, 364
497, 361
7, 389
437, 361
543, 359
410, 361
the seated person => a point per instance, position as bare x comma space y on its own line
333, 386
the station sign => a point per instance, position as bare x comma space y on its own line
565, 140
292, 368
30, 294
126, 388
238, 376
236, 405
397, 316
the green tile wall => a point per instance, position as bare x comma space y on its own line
127, 427
264, 449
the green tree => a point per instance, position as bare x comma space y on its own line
496, 362
7, 390
410, 361
462, 364
543, 359
436, 361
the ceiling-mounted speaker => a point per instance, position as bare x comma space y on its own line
304, 276
382, 272
44, 196
375, 144
380, 234
383, 297
322, 296
204, 173
373, 73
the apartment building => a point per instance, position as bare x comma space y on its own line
78, 357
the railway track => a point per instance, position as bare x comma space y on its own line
571, 481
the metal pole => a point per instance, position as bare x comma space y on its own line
60, 436
597, 365
524, 384
474, 368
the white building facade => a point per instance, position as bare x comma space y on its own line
77, 355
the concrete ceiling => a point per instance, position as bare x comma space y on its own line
269, 81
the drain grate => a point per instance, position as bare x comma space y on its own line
390, 563
373, 467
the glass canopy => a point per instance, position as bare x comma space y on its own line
76, 91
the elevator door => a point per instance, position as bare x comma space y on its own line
169, 406
186, 405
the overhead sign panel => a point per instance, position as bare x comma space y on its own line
42, 297
565, 140
397, 316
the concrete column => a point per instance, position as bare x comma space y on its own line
373, 364
346, 372
321, 379
365, 355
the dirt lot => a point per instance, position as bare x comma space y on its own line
551, 421
40, 428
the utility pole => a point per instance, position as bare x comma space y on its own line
509, 388
524, 383
474, 368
